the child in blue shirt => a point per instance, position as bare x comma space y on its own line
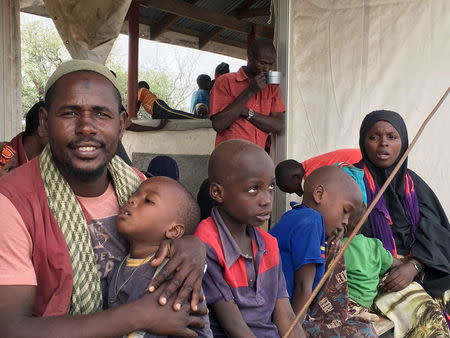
200, 98
330, 198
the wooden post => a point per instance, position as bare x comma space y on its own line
133, 59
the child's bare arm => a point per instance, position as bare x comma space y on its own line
230, 319
283, 316
304, 278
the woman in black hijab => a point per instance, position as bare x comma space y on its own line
409, 218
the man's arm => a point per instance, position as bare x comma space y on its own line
283, 317
304, 279
225, 118
230, 319
268, 124
16, 303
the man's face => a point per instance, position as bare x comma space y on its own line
261, 62
83, 124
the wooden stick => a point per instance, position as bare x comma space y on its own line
364, 217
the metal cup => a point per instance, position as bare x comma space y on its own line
273, 77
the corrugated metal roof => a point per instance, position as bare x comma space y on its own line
220, 6
191, 24
152, 14
233, 36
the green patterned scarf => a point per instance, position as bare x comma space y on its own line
86, 292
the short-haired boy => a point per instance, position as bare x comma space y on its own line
291, 173
330, 197
244, 283
161, 208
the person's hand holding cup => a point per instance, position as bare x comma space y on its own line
273, 77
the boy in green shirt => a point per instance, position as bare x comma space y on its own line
366, 260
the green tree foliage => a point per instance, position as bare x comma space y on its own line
43, 50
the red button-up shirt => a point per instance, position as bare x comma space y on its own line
266, 102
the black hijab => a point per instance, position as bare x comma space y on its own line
432, 239
395, 193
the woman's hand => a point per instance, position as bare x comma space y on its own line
184, 271
399, 277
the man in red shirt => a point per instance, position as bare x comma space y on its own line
243, 105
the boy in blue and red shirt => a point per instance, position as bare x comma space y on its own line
244, 283
331, 196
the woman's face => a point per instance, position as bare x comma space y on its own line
383, 144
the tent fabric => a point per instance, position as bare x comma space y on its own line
88, 28
350, 57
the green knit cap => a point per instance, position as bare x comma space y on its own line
80, 65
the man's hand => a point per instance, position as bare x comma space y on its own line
184, 271
16, 320
165, 321
399, 277
257, 83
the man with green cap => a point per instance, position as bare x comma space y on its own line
59, 240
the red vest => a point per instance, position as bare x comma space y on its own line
50, 255
51, 258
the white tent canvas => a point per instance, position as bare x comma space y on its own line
350, 57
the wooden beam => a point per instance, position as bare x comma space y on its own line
251, 12
193, 33
183, 9
205, 37
159, 27
196, 34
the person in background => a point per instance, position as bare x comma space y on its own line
200, 98
158, 108
30, 143
243, 105
290, 173
222, 68
129, 125
8, 158
163, 165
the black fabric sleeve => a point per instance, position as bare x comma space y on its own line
432, 244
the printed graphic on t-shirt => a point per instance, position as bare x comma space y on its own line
109, 247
